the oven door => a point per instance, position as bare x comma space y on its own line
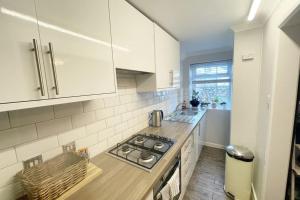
162, 183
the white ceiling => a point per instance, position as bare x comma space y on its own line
200, 25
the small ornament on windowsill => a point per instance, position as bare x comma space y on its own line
215, 102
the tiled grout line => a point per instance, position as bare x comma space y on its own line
139, 104
202, 183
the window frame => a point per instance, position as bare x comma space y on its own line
219, 78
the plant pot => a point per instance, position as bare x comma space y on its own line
195, 103
214, 105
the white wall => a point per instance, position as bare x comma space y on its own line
246, 86
218, 121
217, 128
282, 117
282, 55
276, 105
96, 124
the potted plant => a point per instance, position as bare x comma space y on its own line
214, 103
195, 99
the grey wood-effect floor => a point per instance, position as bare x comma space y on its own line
207, 180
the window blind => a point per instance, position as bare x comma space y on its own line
212, 80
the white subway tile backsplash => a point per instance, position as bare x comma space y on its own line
126, 116
16, 136
95, 127
63, 110
124, 99
105, 134
102, 145
52, 153
110, 122
132, 122
12, 191
120, 127
120, 109
127, 133
93, 105
125, 91
83, 119
4, 121
98, 148
8, 174
87, 141
133, 106
53, 127
137, 112
29, 116
114, 140
105, 113
30, 150
111, 101
7, 158
96, 124
71, 136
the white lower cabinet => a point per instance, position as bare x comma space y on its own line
188, 162
190, 153
202, 131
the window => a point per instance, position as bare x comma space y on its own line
212, 80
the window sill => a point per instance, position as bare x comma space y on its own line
219, 107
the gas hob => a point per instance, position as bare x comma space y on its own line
142, 150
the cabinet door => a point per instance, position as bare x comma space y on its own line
197, 141
79, 33
175, 64
21, 73
202, 132
167, 59
132, 38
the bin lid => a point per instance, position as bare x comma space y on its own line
240, 153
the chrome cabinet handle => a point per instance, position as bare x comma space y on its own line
53, 68
170, 78
38, 64
171, 73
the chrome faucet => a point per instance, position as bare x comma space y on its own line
178, 106
183, 106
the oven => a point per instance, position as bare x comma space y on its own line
163, 181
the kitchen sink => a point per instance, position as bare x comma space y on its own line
186, 116
189, 112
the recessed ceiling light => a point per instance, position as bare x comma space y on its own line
253, 9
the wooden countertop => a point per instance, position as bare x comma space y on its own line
122, 181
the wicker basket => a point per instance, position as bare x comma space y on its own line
51, 179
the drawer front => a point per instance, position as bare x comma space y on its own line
188, 143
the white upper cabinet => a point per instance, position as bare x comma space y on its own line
167, 61
22, 75
167, 54
132, 38
76, 47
